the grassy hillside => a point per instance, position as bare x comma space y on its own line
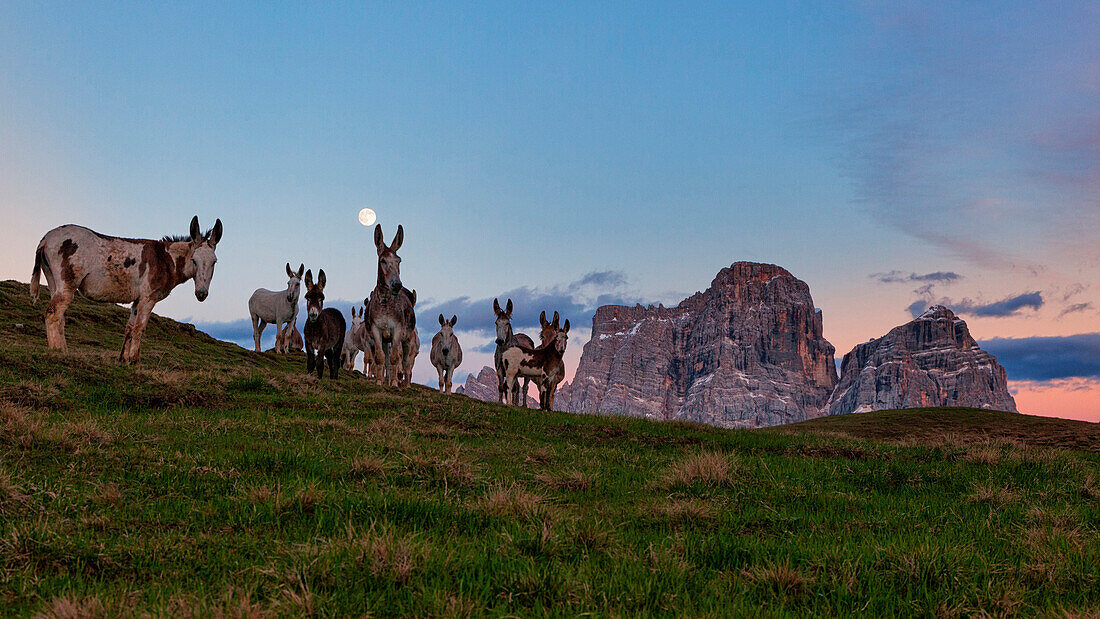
213, 481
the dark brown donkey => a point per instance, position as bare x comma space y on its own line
141, 272
544, 365
324, 336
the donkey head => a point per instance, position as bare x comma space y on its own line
201, 266
561, 336
447, 331
356, 317
315, 294
549, 329
389, 263
294, 284
504, 321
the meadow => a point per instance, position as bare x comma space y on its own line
212, 481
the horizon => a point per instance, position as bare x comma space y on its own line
576, 156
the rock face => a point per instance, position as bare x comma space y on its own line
484, 387
481, 387
747, 352
930, 361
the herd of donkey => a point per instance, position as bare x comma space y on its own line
143, 272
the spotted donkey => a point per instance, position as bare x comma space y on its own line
141, 272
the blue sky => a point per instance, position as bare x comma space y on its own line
524, 146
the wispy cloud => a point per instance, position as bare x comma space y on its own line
971, 135
1076, 308
1048, 358
900, 277
1009, 306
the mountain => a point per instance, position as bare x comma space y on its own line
930, 361
746, 352
482, 386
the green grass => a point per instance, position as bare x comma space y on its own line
213, 481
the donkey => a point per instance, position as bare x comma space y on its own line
279, 308
392, 318
351, 348
446, 352
294, 339
324, 329
543, 364
505, 338
141, 272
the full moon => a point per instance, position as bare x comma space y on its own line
366, 217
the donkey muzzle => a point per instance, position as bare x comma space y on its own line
201, 295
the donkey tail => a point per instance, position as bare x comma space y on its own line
39, 259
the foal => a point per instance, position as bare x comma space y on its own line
351, 348
446, 352
279, 308
324, 336
543, 364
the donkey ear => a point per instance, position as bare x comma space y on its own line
289, 273
301, 269
196, 233
542, 318
496, 307
565, 328
398, 238
441, 321
309, 278
454, 319
508, 308
321, 278
556, 318
216, 233
378, 244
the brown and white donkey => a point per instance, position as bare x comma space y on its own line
141, 272
505, 338
544, 364
391, 318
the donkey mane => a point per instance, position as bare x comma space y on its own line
178, 238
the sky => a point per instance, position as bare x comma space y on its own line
574, 154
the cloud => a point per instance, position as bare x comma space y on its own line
898, 277
1077, 307
950, 139
1009, 306
601, 278
1047, 358
575, 300
1002, 308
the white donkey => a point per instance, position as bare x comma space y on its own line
279, 308
446, 352
351, 343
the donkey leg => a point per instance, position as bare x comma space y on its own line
334, 364
309, 360
55, 317
282, 337
439, 370
257, 330
139, 318
450, 375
